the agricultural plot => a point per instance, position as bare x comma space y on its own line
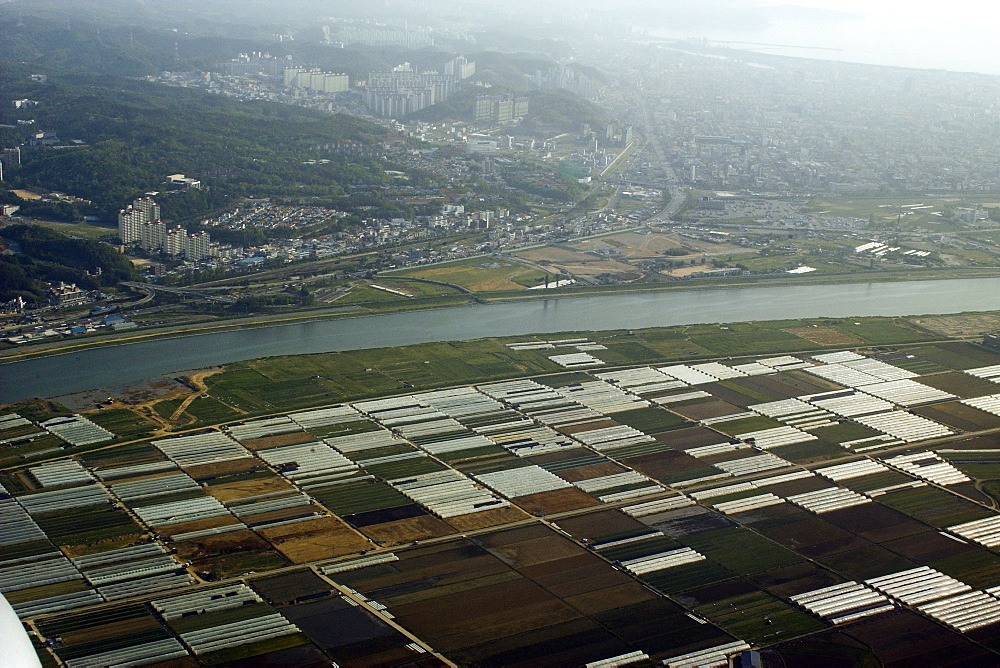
256, 485
350, 634
978, 464
20, 437
202, 449
741, 551
132, 571
643, 381
527, 578
676, 468
933, 506
809, 535
122, 457
361, 496
31, 446
59, 473
906, 427
753, 615
926, 639
121, 634
92, 522
651, 421
77, 430
958, 355
845, 602
968, 415
123, 423
315, 539
706, 409
875, 522
960, 384
721, 517
230, 553
482, 274
218, 620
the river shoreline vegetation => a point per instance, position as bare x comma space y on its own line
260, 387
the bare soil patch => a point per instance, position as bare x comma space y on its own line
231, 466
240, 489
293, 438
960, 325
313, 540
407, 530
556, 501
592, 471
596, 524
587, 426
534, 551
186, 527
487, 518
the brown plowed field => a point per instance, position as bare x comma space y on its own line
556, 501
407, 530
292, 438
314, 540
486, 518
240, 489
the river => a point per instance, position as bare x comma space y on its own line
126, 364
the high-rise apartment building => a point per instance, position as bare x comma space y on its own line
176, 241
152, 235
316, 80
403, 91
461, 68
134, 216
500, 108
198, 246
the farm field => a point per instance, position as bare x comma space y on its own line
564, 516
478, 274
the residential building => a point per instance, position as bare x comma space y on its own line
403, 91
316, 80
198, 246
460, 68
153, 235
500, 108
175, 242
132, 218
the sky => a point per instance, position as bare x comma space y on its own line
955, 34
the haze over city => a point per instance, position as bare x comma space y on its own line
955, 35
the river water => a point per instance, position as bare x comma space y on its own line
118, 365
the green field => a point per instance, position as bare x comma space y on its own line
483, 274
123, 423
82, 230
759, 617
651, 420
741, 551
686, 576
935, 507
359, 497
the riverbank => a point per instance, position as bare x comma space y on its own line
135, 361
459, 300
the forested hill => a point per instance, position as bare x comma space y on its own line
135, 133
47, 256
